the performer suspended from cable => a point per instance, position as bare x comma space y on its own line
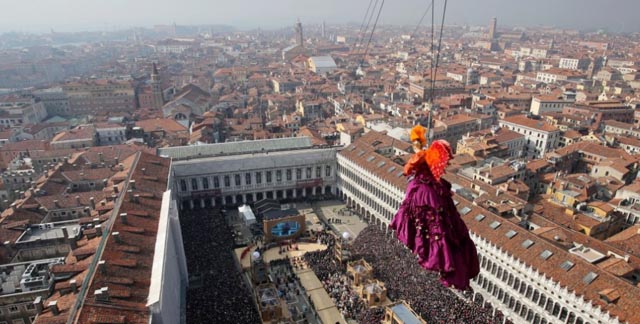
428, 222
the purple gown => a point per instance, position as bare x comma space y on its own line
429, 224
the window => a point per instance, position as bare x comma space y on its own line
278, 175
205, 183
308, 173
268, 176
13, 308
318, 172
298, 174
288, 174
216, 182
590, 277
546, 254
194, 184
247, 178
227, 181
511, 233
237, 180
527, 243
258, 177
183, 185
567, 265
327, 171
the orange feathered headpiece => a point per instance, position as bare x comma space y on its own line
437, 157
419, 133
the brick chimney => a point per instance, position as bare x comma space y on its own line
53, 306
102, 266
38, 304
74, 285
123, 218
102, 294
116, 236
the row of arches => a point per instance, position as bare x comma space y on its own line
511, 291
248, 198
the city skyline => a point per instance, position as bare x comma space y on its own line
74, 15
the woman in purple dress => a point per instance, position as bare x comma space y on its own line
428, 222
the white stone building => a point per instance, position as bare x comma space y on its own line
244, 172
541, 137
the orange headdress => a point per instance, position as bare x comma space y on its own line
418, 133
437, 157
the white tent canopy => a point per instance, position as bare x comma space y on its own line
247, 214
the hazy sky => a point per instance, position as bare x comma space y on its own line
66, 15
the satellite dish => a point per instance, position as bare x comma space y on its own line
346, 235
256, 255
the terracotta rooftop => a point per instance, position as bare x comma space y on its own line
128, 270
531, 123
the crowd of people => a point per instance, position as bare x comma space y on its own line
221, 295
335, 282
338, 285
404, 279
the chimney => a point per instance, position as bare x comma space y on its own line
78, 200
117, 161
98, 229
115, 188
136, 198
57, 203
144, 171
87, 211
102, 266
65, 233
105, 182
53, 306
38, 304
74, 285
100, 157
116, 236
123, 218
102, 294
132, 184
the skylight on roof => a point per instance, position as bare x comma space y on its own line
391, 168
527, 243
400, 174
567, 265
480, 217
511, 233
352, 148
546, 254
455, 202
360, 153
590, 277
371, 158
465, 210
494, 224
381, 164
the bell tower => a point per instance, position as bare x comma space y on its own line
156, 89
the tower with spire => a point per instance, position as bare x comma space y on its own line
156, 89
299, 36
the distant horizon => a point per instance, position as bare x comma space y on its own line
40, 16
118, 28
